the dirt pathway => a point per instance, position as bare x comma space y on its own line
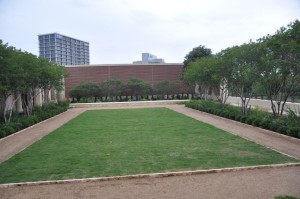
262, 183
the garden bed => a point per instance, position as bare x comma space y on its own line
288, 124
133, 141
19, 121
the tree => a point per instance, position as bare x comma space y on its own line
77, 92
11, 79
269, 66
111, 88
32, 81
85, 90
222, 70
92, 90
39, 75
202, 73
164, 88
244, 75
137, 87
22, 76
196, 53
51, 76
280, 65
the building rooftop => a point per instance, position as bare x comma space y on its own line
62, 35
148, 58
112, 65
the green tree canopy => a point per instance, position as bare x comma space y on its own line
269, 66
164, 87
111, 88
244, 75
137, 87
280, 65
86, 90
23, 75
203, 73
196, 53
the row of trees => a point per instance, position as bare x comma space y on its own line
114, 89
24, 76
270, 66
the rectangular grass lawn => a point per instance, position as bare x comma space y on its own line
132, 141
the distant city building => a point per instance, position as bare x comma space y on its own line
148, 58
63, 50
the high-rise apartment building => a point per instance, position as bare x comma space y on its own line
64, 50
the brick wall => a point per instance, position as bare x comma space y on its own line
149, 73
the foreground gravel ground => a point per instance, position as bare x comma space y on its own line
262, 183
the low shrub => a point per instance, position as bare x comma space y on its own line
286, 197
217, 112
226, 114
249, 120
281, 129
288, 124
208, 110
2, 133
243, 118
221, 113
231, 116
293, 131
274, 126
237, 117
256, 122
213, 111
19, 122
7, 129
265, 123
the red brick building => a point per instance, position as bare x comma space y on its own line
150, 73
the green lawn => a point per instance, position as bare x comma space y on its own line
132, 141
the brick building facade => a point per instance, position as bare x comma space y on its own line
150, 73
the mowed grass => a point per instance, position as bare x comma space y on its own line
132, 141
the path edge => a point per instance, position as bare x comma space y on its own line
267, 131
151, 175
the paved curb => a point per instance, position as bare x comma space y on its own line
151, 175
125, 104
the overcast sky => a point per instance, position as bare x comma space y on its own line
120, 30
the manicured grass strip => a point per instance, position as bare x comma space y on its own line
132, 141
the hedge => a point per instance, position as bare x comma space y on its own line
19, 121
288, 125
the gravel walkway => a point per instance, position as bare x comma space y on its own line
262, 183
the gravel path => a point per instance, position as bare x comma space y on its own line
262, 183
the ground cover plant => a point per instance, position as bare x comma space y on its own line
286, 197
287, 124
132, 141
21, 121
